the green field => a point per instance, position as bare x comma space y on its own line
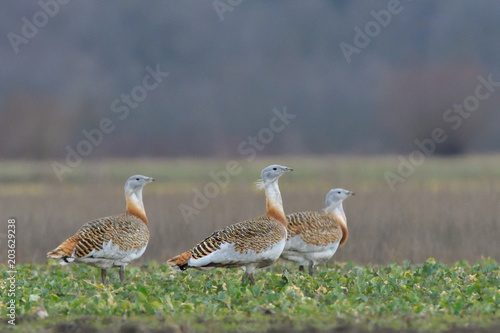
381, 278
431, 296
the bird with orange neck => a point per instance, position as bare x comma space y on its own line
313, 237
112, 241
250, 244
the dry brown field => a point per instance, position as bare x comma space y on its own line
449, 209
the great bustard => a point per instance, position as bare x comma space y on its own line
112, 241
313, 237
249, 244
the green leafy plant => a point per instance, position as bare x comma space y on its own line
431, 296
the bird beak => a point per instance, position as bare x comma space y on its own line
351, 193
288, 169
150, 180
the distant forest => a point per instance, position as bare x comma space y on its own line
360, 77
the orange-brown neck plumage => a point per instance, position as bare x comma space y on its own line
276, 212
345, 232
136, 208
343, 226
274, 205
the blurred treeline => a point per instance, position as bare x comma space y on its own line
227, 76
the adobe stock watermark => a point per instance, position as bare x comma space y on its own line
248, 148
121, 107
373, 28
454, 118
30, 27
11, 280
223, 6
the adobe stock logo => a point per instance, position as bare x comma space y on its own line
454, 118
31, 28
249, 148
223, 6
372, 29
121, 107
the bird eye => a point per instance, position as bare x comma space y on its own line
139, 179
338, 192
275, 169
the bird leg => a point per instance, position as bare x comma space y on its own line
122, 273
252, 279
103, 276
311, 268
245, 277
249, 277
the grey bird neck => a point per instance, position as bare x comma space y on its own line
274, 195
135, 197
337, 209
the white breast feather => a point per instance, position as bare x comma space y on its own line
299, 251
111, 255
227, 255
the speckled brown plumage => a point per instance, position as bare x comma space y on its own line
250, 244
113, 241
257, 234
316, 228
126, 231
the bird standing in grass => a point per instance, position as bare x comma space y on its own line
313, 237
249, 244
112, 241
